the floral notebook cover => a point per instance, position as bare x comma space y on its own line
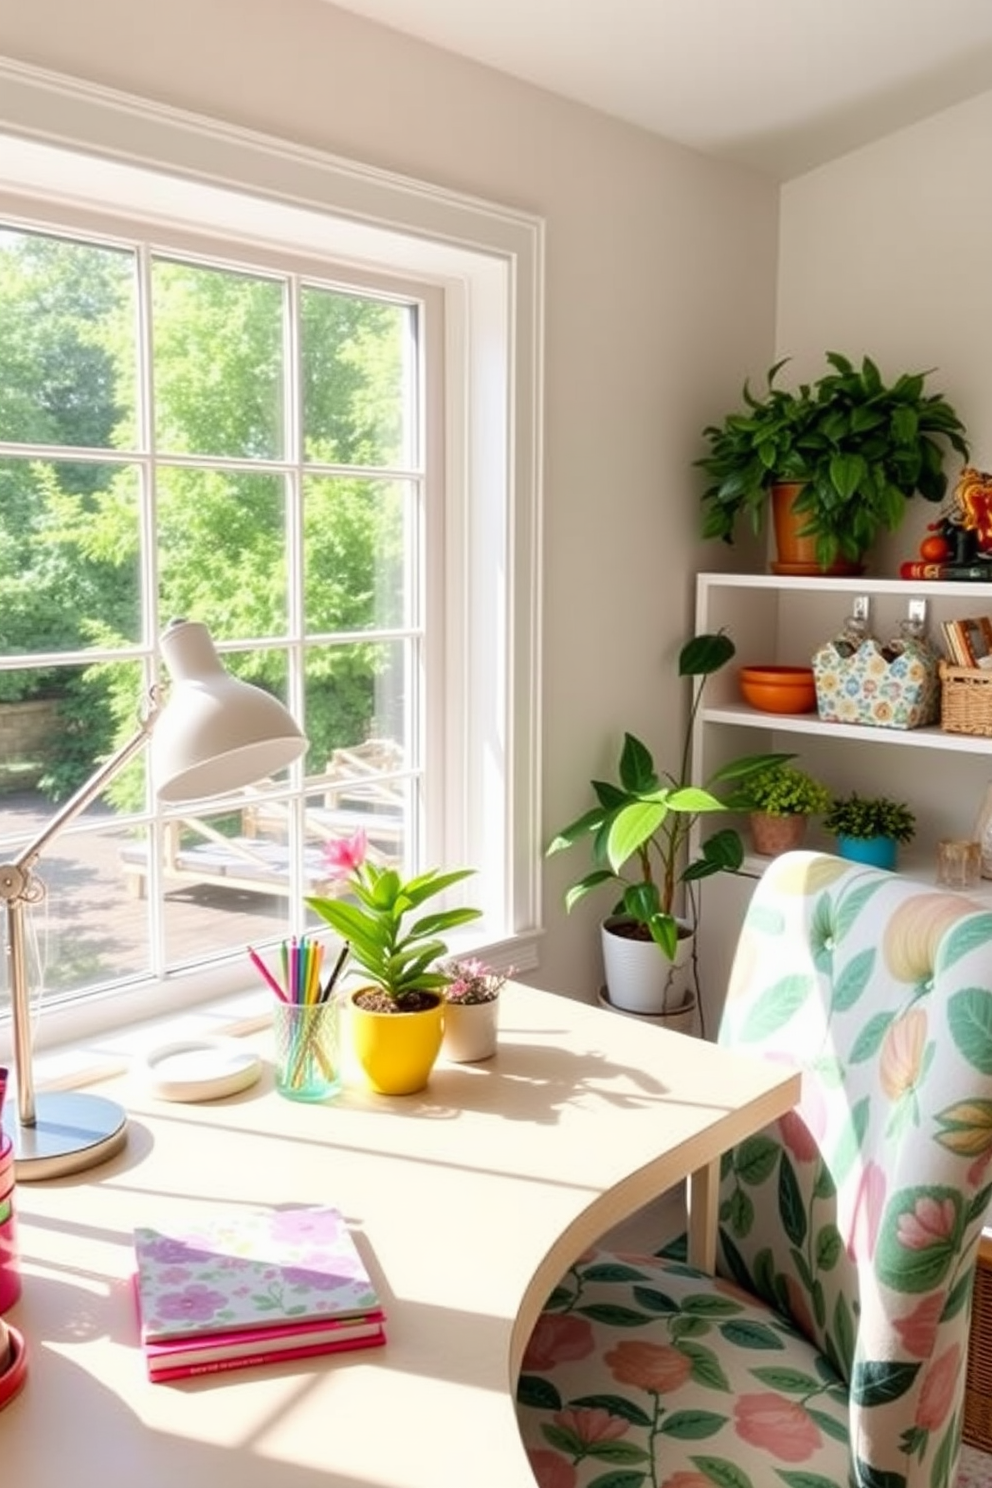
249, 1270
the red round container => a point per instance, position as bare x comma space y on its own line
15, 1371
10, 1275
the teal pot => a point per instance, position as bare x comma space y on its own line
878, 852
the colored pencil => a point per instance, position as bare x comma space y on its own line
261, 967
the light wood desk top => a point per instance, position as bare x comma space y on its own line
467, 1202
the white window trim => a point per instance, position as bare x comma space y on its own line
84, 148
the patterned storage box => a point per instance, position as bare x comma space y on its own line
891, 687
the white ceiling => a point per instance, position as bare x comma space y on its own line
779, 85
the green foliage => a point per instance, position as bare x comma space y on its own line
861, 447
784, 790
71, 537
396, 958
870, 816
639, 829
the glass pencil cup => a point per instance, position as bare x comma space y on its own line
305, 1039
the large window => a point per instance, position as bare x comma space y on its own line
192, 437
319, 438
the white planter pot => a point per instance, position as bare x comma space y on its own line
639, 976
470, 1031
683, 1020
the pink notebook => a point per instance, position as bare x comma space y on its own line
243, 1287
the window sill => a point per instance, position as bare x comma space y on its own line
114, 1053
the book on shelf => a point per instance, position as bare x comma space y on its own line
916, 568
243, 1288
969, 640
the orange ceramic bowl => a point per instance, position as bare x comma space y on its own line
779, 689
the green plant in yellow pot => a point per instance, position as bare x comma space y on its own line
397, 1021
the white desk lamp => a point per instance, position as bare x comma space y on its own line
214, 734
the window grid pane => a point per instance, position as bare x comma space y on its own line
260, 477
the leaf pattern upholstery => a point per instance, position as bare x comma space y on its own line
830, 1349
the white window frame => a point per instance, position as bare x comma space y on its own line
78, 149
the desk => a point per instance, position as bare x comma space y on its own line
467, 1202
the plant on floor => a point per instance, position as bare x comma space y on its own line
399, 959
865, 817
860, 448
639, 829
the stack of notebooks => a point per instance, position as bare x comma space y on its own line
251, 1288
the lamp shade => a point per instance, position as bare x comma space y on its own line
215, 733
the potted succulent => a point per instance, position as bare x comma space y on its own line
869, 829
849, 449
471, 1013
397, 1021
638, 832
781, 800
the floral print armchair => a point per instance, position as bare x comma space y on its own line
830, 1349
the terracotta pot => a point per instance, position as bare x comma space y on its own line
797, 555
771, 835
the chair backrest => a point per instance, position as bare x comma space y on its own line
859, 1214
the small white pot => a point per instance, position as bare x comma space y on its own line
639, 976
470, 1030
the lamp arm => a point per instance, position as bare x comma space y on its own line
88, 792
18, 888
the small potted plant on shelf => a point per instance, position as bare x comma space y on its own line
471, 1013
638, 832
839, 458
870, 829
397, 1021
781, 800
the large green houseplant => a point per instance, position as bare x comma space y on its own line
638, 834
859, 448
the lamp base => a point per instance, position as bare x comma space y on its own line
73, 1131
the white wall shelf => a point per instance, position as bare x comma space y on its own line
941, 776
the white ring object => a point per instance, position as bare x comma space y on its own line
198, 1069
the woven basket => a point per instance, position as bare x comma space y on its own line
977, 1428
965, 700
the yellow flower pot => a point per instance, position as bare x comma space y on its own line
396, 1050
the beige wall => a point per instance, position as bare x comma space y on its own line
887, 251
660, 296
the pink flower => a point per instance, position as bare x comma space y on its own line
918, 1328
798, 1303
937, 1394
196, 1301
346, 854
776, 1425
869, 1201
591, 1426
931, 1221
551, 1471
558, 1338
657, 1367
687, 1480
797, 1137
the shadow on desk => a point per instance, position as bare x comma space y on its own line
524, 1083
72, 1396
